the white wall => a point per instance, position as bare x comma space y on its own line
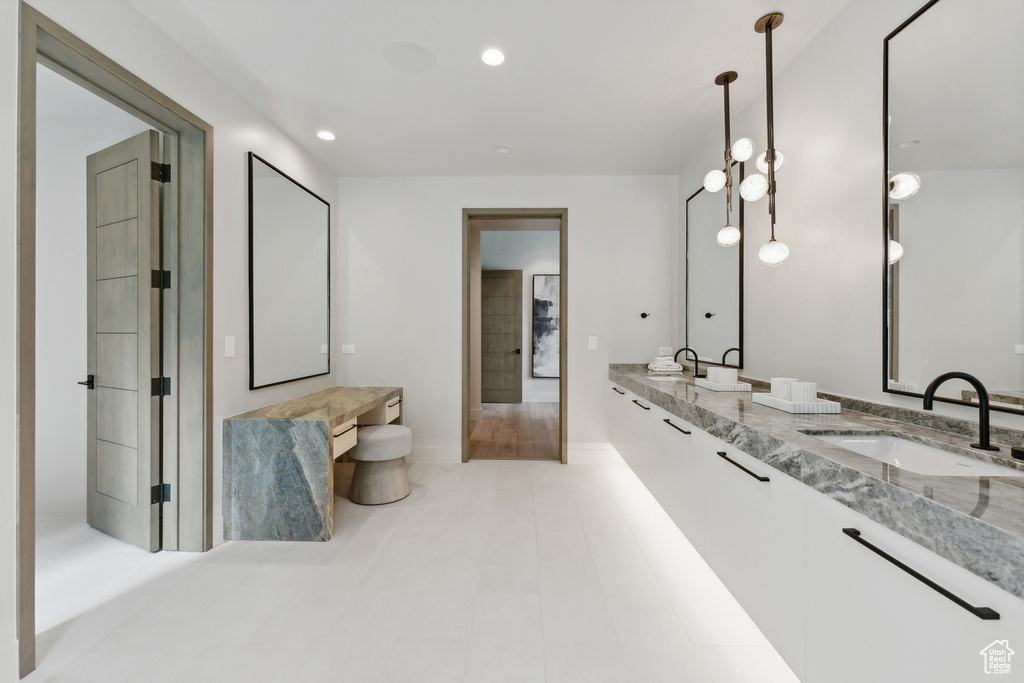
402, 243
818, 316
63, 143
534, 252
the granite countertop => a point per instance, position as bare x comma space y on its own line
336, 405
975, 522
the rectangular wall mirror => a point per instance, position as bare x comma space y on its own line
714, 278
954, 201
289, 278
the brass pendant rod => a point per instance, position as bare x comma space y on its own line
770, 153
728, 155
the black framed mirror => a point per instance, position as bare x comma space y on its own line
953, 201
289, 278
714, 278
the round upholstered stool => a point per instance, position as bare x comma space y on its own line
380, 475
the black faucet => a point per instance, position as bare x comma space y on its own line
696, 366
929, 396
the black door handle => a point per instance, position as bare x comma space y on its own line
518, 352
89, 382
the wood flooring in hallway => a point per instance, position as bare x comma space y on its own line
515, 431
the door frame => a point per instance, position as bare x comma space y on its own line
187, 438
468, 267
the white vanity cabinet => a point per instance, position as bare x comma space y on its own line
755, 543
681, 487
869, 620
632, 433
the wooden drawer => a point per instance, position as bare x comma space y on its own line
344, 438
383, 414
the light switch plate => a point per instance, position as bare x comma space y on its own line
591, 343
1018, 349
348, 348
324, 349
664, 350
229, 347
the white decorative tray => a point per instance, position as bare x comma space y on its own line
817, 406
715, 386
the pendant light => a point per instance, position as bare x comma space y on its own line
773, 252
715, 180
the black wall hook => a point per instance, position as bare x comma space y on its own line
644, 315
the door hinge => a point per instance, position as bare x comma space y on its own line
161, 386
160, 172
161, 493
161, 279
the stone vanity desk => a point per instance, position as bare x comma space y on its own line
279, 464
975, 522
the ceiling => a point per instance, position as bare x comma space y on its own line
589, 87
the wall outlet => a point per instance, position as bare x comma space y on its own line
324, 349
1018, 349
348, 348
229, 347
591, 343
664, 350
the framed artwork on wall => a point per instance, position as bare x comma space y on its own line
545, 326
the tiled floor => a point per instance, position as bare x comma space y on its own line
489, 571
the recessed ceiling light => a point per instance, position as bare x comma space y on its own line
502, 149
325, 135
492, 57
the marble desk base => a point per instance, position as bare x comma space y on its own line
279, 465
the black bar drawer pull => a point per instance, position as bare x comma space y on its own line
753, 474
337, 434
641, 404
618, 391
669, 423
980, 612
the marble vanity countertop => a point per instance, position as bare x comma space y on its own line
975, 522
336, 405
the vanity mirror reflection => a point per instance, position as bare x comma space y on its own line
713, 286
289, 278
954, 114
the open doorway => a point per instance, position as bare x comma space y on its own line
71, 124
514, 303
185, 435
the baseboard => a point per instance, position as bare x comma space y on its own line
9, 661
540, 398
451, 454
584, 446
475, 414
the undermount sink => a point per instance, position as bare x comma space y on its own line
914, 456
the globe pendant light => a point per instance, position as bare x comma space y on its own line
729, 236
904, 185
715, 180
895, 251
773, 252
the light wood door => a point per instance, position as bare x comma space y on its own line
501, 336
124, 340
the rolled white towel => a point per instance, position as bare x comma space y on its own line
665, 367
664, 359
